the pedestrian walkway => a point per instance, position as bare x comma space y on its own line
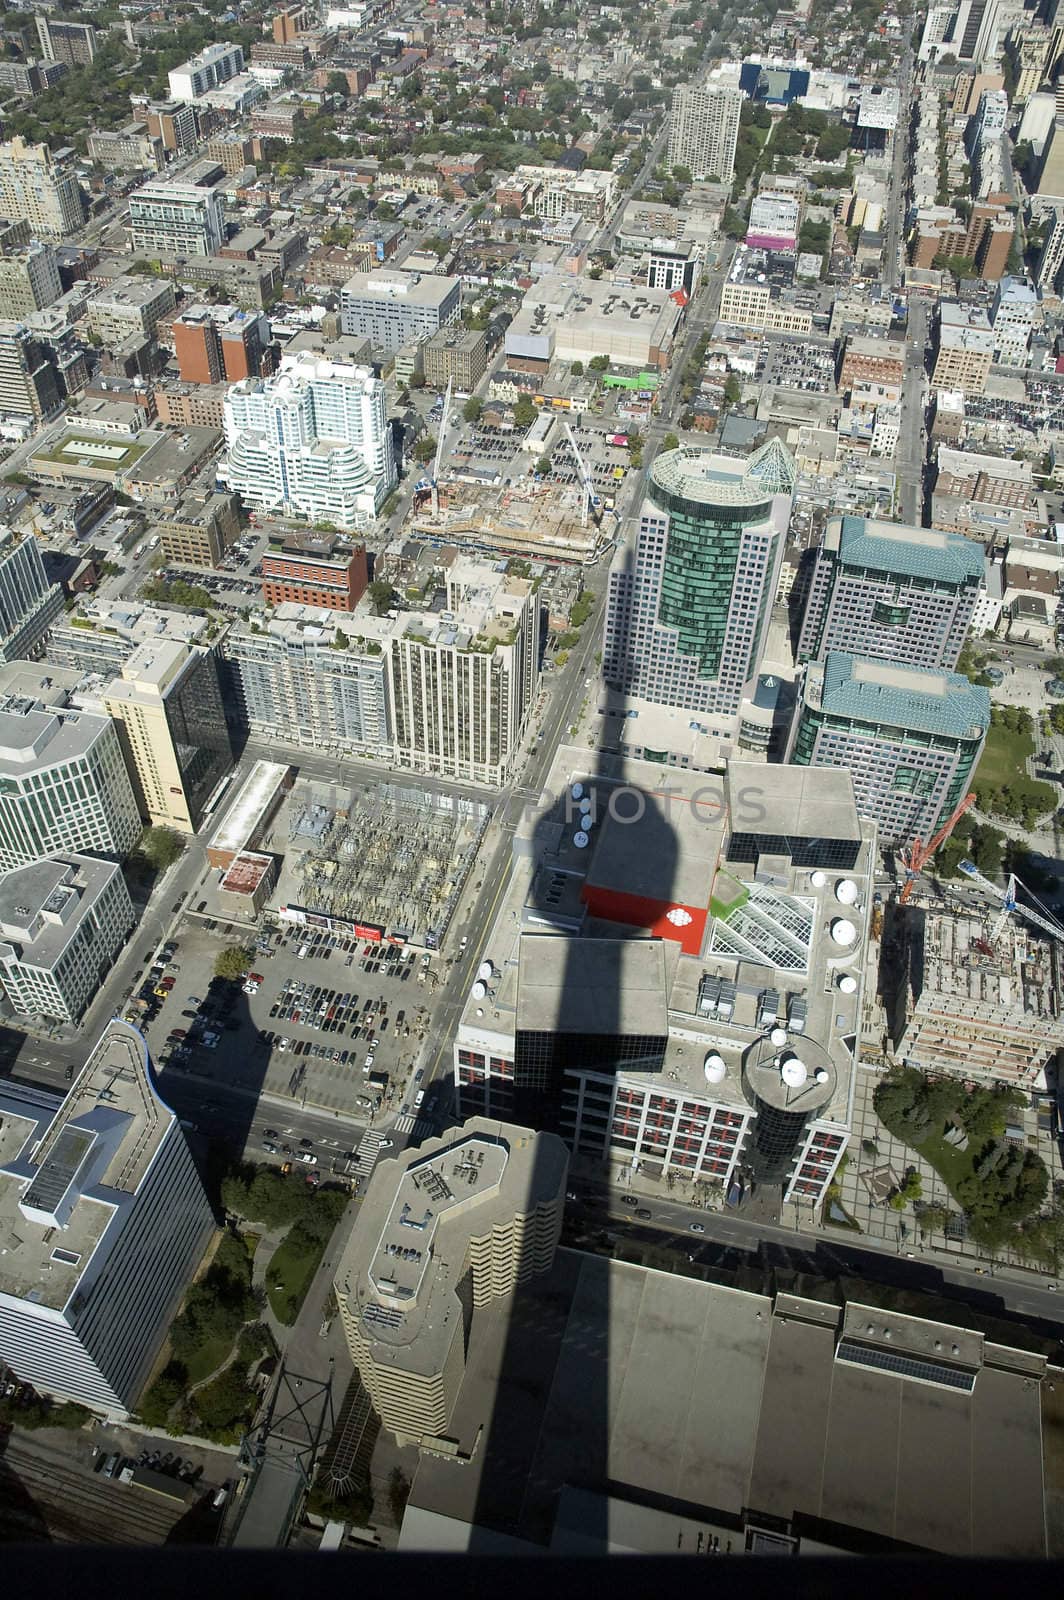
368, 1151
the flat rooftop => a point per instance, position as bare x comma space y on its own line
68, 1169
593, 986
694, 1397
386, 284
43, 905
38, 725
257, 792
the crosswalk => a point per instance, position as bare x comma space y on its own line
368, 1151
417, 1127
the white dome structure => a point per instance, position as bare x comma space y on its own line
714, 1068
846, 892
843, 932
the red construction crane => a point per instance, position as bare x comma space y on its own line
918, 854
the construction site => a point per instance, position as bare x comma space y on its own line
392, 856
526, 519
972, 994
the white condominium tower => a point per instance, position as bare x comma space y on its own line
313, 441
704, 129
103, 1220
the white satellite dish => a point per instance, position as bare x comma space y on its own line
577, 790
486, 971
843, 931
846, 892
847, 983
818, 879
714, 1068
822, 1074
580, 840
778, 1037
793, 1073
479, 990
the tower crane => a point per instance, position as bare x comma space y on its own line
917, 855
591, 501
1009, 903
431, 486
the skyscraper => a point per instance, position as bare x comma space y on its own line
686, 621
891, 591
910, 738
313, 441
704, 130
103, 1219
38, 189
71, 42
29, 604
28, 383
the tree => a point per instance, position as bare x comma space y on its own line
732, 390
670, 442
683, 175
524, 413
233, 962
398, 1493
336, 83
161, 847
577, 369
599, 364
382, 596
425, 449
472, 409
165, 1392
543, 466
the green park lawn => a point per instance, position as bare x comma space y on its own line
1003, 765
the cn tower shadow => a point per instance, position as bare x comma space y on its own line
585, 1013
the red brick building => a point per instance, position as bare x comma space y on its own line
315, 570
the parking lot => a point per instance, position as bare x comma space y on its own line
333, 1023
794, 364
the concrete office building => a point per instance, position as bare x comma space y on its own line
209, 70
704, 130
455, 355
63, 782
29, 279
73, 43
100, 635
63, 921
444, 1231
127, 149
173, 218
891, 591
130, 308
103, 1220
687, 614
722, 1038
395, 308
172, 122
313, 441
37, 188
911, 738
201, 528
168, 708
314, 570
1013, 313
29, 604
1050, 179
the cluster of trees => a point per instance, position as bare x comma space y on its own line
218, 1304
176, 592
224, 1407
264, 1195
233, 962
1020, 798
998, 1185
39, 1411
161, 847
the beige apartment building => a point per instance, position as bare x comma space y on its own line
457, 355
200, 530
444, 1230
965, 349
167, 706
